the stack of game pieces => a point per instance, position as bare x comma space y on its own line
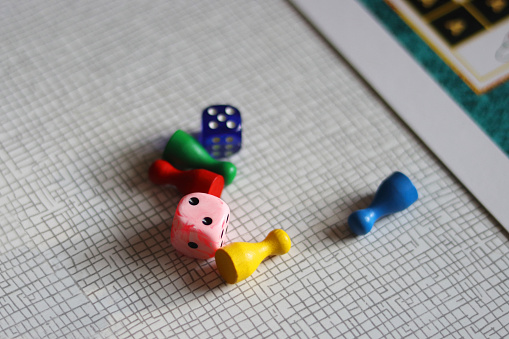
201, 220
188, 166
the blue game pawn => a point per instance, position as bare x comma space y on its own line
394, 194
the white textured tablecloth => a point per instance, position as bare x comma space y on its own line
89, 94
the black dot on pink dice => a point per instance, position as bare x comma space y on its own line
206, 221
192, 244
194, 201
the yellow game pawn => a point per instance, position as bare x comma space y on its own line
238, 260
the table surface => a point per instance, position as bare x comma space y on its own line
90, 94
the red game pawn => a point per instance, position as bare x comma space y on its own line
162, 172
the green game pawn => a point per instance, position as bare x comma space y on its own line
184, 152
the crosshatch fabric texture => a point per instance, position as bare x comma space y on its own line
90, 93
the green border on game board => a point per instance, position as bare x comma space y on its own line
490, 110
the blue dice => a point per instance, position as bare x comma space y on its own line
221, 130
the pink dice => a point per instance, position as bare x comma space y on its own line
199, 225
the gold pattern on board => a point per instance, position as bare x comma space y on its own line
428, 3
497, 6
456, 26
